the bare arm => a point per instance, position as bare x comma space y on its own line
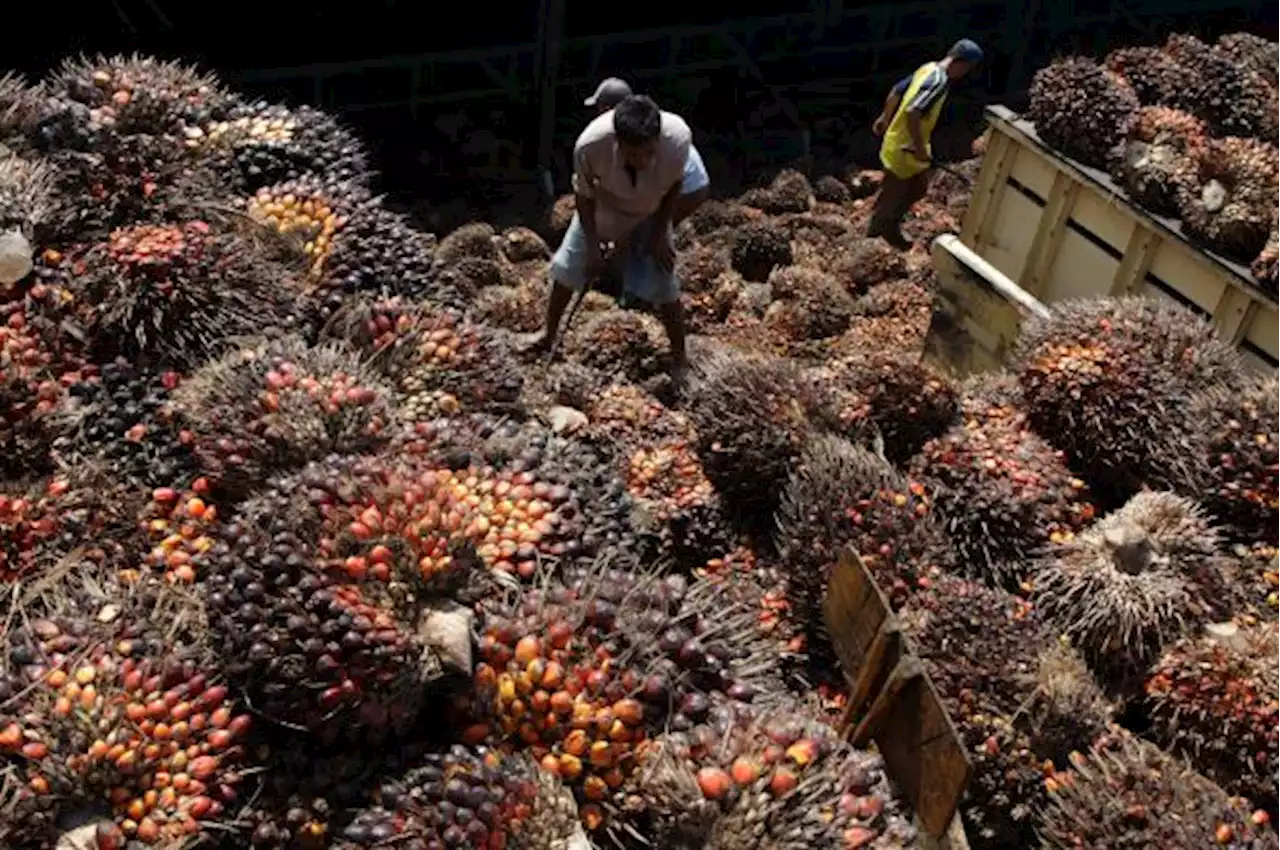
585, 196
662, 218
891, 104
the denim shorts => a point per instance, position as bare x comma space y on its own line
641, 277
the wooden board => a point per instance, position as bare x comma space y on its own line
1060, 230
923, 753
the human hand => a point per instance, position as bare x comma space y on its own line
923, 156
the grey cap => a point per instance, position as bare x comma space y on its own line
609, 93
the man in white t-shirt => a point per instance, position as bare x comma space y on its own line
628, 169
697, 183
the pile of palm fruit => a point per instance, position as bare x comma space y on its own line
1187, 129
299, 548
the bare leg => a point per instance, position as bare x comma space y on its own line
561, 295
672, 317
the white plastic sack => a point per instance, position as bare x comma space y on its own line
15, 257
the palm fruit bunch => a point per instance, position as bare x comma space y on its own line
758, 248
123, 418
18, 101
618, 342
176, 527
438, 360
1160, 145
982, 649
1255, 53
1081, 109
708, 286
750, 413
44, 521
466, 798
1125, 792
838, 496
822, 305
260, 144
109, 700
350, 242
1002, 493
1108, 381
37, 361
629, 417
842, 409
560, 215
1156, 77
778, 778
1225, 198
1136, 579
523, 245
476, 240
676, 504
1213, 698
85, 99
789, 192
27, 200
864, 263
892, 316
278, 404
1227, 95
715, 216
581, 673
175, 292
326, 593
830, 189
814, 234
1240, 435
595, 523
911, 401
520, 308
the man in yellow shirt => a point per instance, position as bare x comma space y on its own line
910, 113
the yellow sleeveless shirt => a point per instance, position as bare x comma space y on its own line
925, 83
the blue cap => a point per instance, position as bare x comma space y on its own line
967, 50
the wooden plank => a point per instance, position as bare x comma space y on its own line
1233, 313
1264, 332
923, 753
1135, 263
1048, 238
998, 189
991, 177
920, 746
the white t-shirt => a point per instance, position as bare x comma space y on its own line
599, 173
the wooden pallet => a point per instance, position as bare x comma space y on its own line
893, 703
1059, 229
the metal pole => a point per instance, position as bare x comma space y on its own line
552, 32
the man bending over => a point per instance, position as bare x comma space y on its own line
628, 169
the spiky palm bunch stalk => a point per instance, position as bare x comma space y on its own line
1240, 447
18, 102
829, 189
260, 144
1081, 109
1231, 98
110, 689
1225, 198
841, 495
275, 405
437, 360
676, 505
1214, 699
1156, 77
1137, 579
750, 412
757, 249
477, 240
1125, 792
1109, 381
1161, 147
1002, 492
27, 197
175, 293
